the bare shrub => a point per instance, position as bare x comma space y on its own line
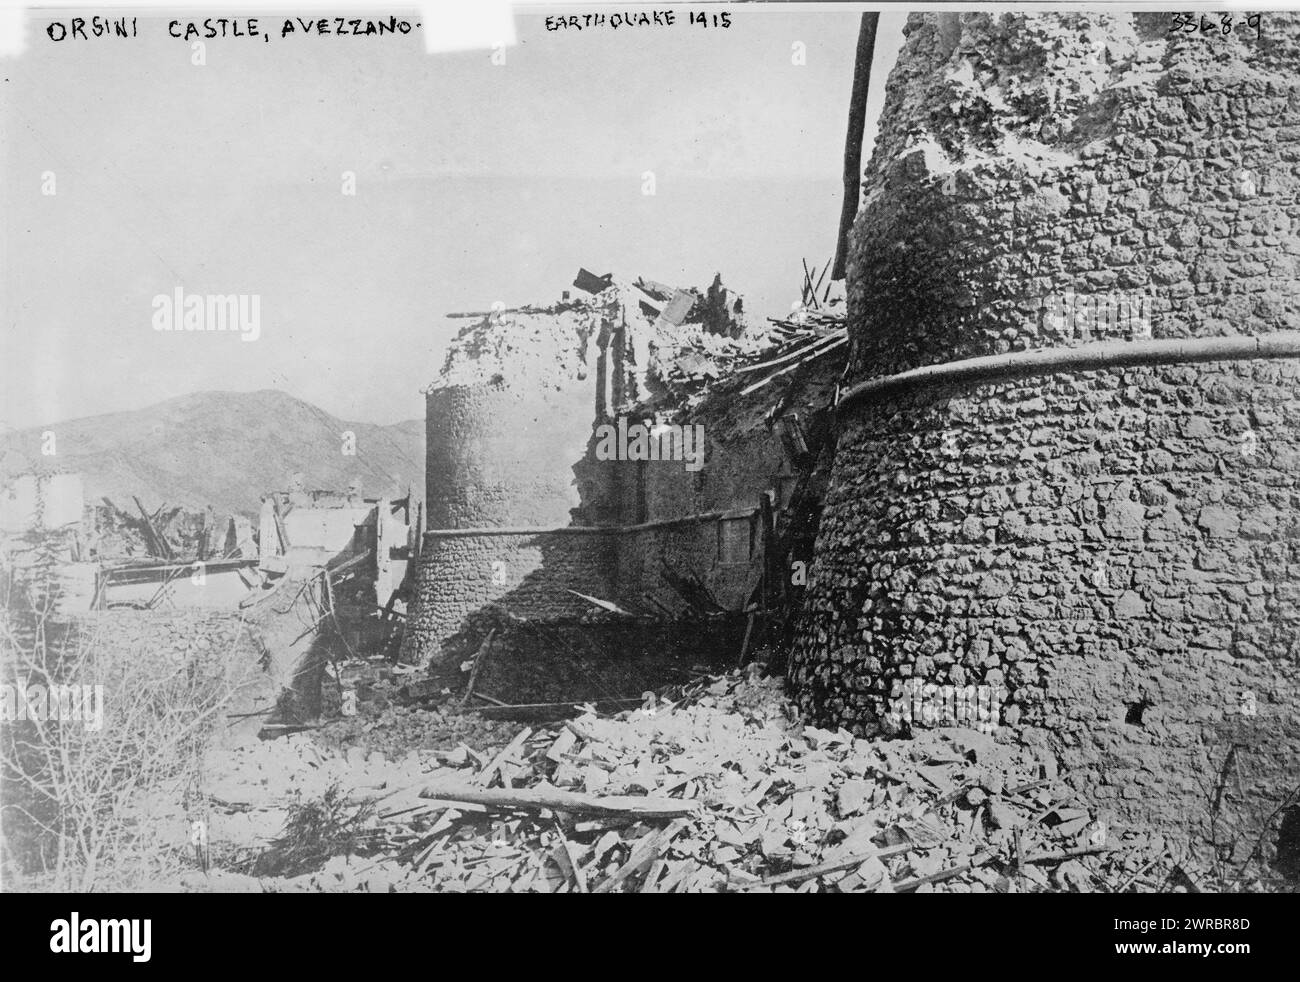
81, 797
315, 830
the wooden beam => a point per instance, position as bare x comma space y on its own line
479, 659
802, 350
535, 799
835, 866
853, 141
839, 340
157, 544
642, 856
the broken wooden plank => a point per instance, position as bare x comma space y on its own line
620, 701
825, 269
656, 871
153, 538
578, 731
817, 341
574, 870
608, 605
822, 869
1063, 855
349, 564
979, 859
543, 796
790, 368
642, 856
589, 282
696, 595
678, 307
479, 659
562, 745
507, 752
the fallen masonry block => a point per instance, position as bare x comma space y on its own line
591, 283
679, 307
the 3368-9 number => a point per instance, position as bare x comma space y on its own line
1205, 24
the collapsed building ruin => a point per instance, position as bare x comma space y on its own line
320, 578
1048, 449
1061, 466
604, 475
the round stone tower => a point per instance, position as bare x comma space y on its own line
1068, 450
507, 420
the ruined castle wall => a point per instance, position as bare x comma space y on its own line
497, 456
642, 505
692, 549
506, 425
594, 657
1119, 550
512, 445
527, 574
737, 470
125, 649
721, 554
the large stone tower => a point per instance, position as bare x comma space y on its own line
1108, 529
510, 414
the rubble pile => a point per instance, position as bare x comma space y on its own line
397, 729
691, 365
722, 790
167, 533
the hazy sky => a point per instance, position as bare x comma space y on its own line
475, 183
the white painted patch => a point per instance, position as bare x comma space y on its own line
454, 25
13, 34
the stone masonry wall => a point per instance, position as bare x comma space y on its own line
692, 550
1119, 550
501, 456
512, 445
218, 646
528, 575
592, 657
509, 417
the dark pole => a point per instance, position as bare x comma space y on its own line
853, 142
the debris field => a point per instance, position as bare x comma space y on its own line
721, 789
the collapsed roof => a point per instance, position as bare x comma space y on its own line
681, 344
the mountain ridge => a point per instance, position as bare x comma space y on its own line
223, 449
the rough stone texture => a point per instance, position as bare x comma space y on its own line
511, 445
694, 550
530, 575
503, 455
507, 419
1118, 549
527, 575
1166, 169
591, 657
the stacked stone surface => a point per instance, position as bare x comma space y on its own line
1118, 549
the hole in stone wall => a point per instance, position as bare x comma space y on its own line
1287, 860
1135, 710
